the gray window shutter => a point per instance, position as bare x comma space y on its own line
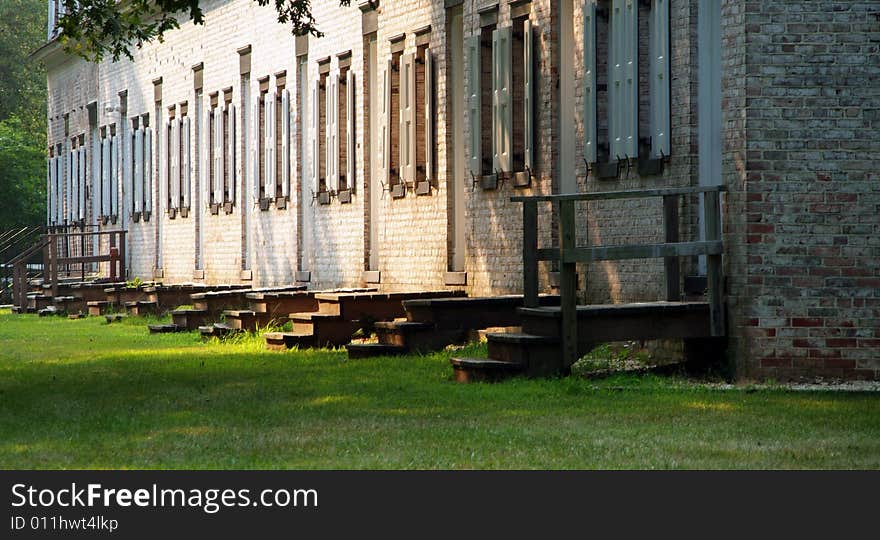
528, 99
386, 123
116, 151
185, 171
429, 116
106, 168
230, 154
590, 130
68, 159
349, 130
148, 171
623, 88
501, 106
81, 191
96, 176
660, 80
285, 143
59, 200
269, 123
72, 185
472, 45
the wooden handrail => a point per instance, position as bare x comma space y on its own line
568, 253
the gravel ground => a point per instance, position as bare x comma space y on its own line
819, 385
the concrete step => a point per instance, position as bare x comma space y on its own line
370, 350
466, 370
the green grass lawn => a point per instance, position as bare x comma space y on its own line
84, 394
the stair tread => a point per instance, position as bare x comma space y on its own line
98, 303
312, 315
190, 312
163, 328
404, 325
616, 309
485, 363
519, 337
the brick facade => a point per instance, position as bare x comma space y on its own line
799, 132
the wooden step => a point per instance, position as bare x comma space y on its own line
370, 350
539, 356
115, 317
327, 329
99, 307
165, 328
190, 319
217, 330
48, 310
470, 313
418, 336
373, 305
466, 370
141, 308
281, 341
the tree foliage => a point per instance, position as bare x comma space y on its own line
22, 174
95, 29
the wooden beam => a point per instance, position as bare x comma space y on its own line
712, 221
568, 282
626, 194
671, 236
642, 251
530, 253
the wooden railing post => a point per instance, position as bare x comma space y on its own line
122, 274
670, 225
568, 282
530, 253
712, 231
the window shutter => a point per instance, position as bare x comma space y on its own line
217, 153
148, 171
255, 145
472, 44
174, 171
528, 103
268, 127
116, 151
185, 171
349, 130
59, 199
429, 116
590, 131
408, 118
72, 185
106, 167
623, 93
96, 176
386, 123
660, 104
502, 118
328, 133
230, 154
313, 136
127, 167
50, 191
138, 169
68, 157
285, 143
81, 191
205, 164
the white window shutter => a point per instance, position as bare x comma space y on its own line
472, 45
349, 130
127, 166
72, 185
174, 156
67, 183
407, 117
313, 136
116, 151
148, 171
660, 99
429, 116
285, 143
334, 132
59, 201
138, 169
328, 133
501, 99
216, 165
385, 149
590, 130
106, 167
230, 154
255, 143
205, 164
96, 177
269, 144
81, 191
528, 99
623, 91
50, 191
185, 171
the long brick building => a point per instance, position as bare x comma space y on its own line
387, 151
